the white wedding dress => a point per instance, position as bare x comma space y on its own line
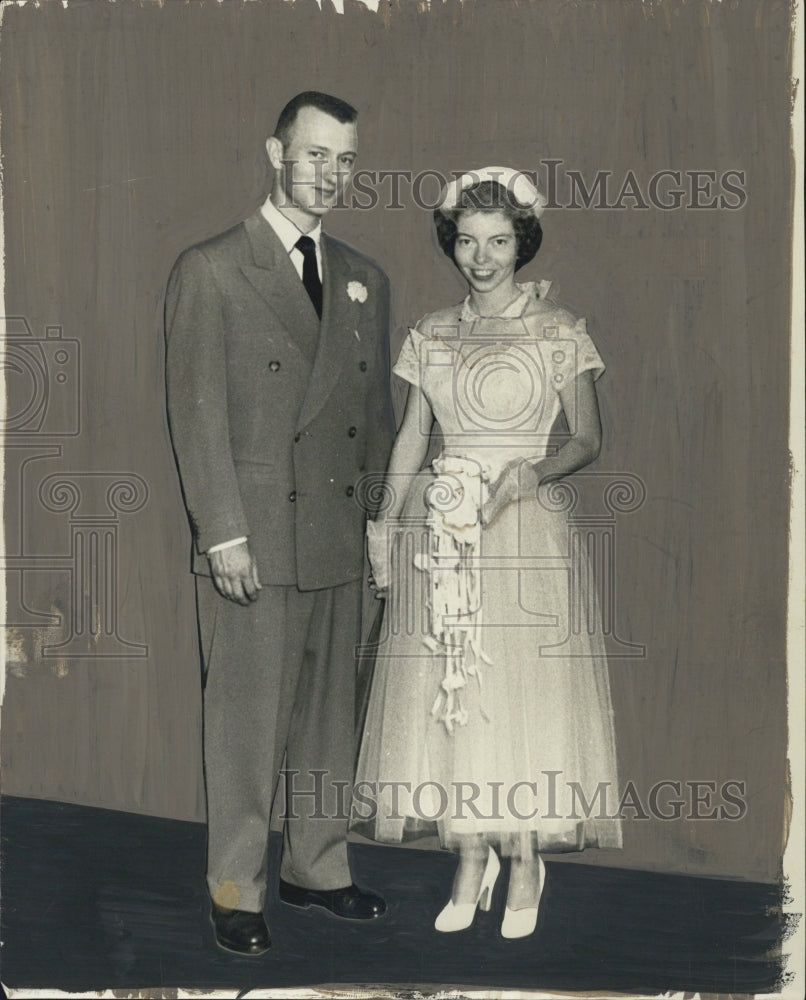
490, 709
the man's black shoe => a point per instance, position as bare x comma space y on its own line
350, 902
240, 931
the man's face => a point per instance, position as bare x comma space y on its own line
314, 166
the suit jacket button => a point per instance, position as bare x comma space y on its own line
352, 432
363, 366
349, 491
292, 496
274, 366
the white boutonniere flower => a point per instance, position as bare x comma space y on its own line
357, 291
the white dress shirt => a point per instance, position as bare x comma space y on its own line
288, 234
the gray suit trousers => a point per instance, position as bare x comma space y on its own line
280, 682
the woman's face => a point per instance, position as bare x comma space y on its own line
486, 249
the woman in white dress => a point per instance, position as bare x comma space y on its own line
490, 708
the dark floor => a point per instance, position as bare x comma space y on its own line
94, 898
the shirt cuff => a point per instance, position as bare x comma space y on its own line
225, 545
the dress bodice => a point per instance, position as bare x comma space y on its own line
494, 384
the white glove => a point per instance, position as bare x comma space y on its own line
378, 550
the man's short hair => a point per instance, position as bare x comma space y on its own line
333, 106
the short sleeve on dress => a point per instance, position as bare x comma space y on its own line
409, 360
575, 353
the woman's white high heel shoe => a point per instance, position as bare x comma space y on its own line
521, 923
458, 916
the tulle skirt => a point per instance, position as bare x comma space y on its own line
533, 767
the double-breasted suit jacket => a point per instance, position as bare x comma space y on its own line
275, 417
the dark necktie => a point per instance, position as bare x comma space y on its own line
310, 272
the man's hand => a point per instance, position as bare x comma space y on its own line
235, 573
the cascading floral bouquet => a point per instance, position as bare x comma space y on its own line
455, 499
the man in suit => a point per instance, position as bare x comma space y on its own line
278, 400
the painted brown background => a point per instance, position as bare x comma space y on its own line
132, 130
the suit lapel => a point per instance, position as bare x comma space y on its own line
340, 319
275, 279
